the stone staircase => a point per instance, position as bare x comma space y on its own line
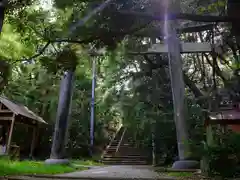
121, 151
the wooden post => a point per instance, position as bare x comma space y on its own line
209, 135
10, 135
33, 144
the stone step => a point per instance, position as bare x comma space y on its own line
126, 156
123, 157
129, 153
127, 146
113, 154
111, 150
119, 156
123, 148
110, 153
112, 147
125, 162
114, 144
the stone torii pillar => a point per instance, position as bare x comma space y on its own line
178, 90
58, 152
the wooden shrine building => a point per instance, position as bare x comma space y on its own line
228, 113
12, 113
226, 118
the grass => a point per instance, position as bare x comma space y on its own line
8, 167
180, 174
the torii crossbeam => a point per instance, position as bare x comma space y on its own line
184, 48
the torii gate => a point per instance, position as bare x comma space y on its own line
174, 49
178, 86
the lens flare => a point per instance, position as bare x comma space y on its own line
165, 28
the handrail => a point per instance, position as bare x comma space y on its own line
104, 152
120, 142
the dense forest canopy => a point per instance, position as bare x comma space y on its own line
38, 42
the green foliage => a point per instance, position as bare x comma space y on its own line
15, 5
11, 46
222, 158
217, 6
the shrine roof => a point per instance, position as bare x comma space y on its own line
20, 109
231, 114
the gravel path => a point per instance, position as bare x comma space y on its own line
123, 172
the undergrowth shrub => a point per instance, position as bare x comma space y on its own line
222, 157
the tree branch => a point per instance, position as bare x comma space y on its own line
85, 41
81, 22
148, 60
217, 69
197, 93
187, 81
46, 46
192, 86
36, 55
89, 40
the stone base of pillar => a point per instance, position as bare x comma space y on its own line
57, 161
186, 164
